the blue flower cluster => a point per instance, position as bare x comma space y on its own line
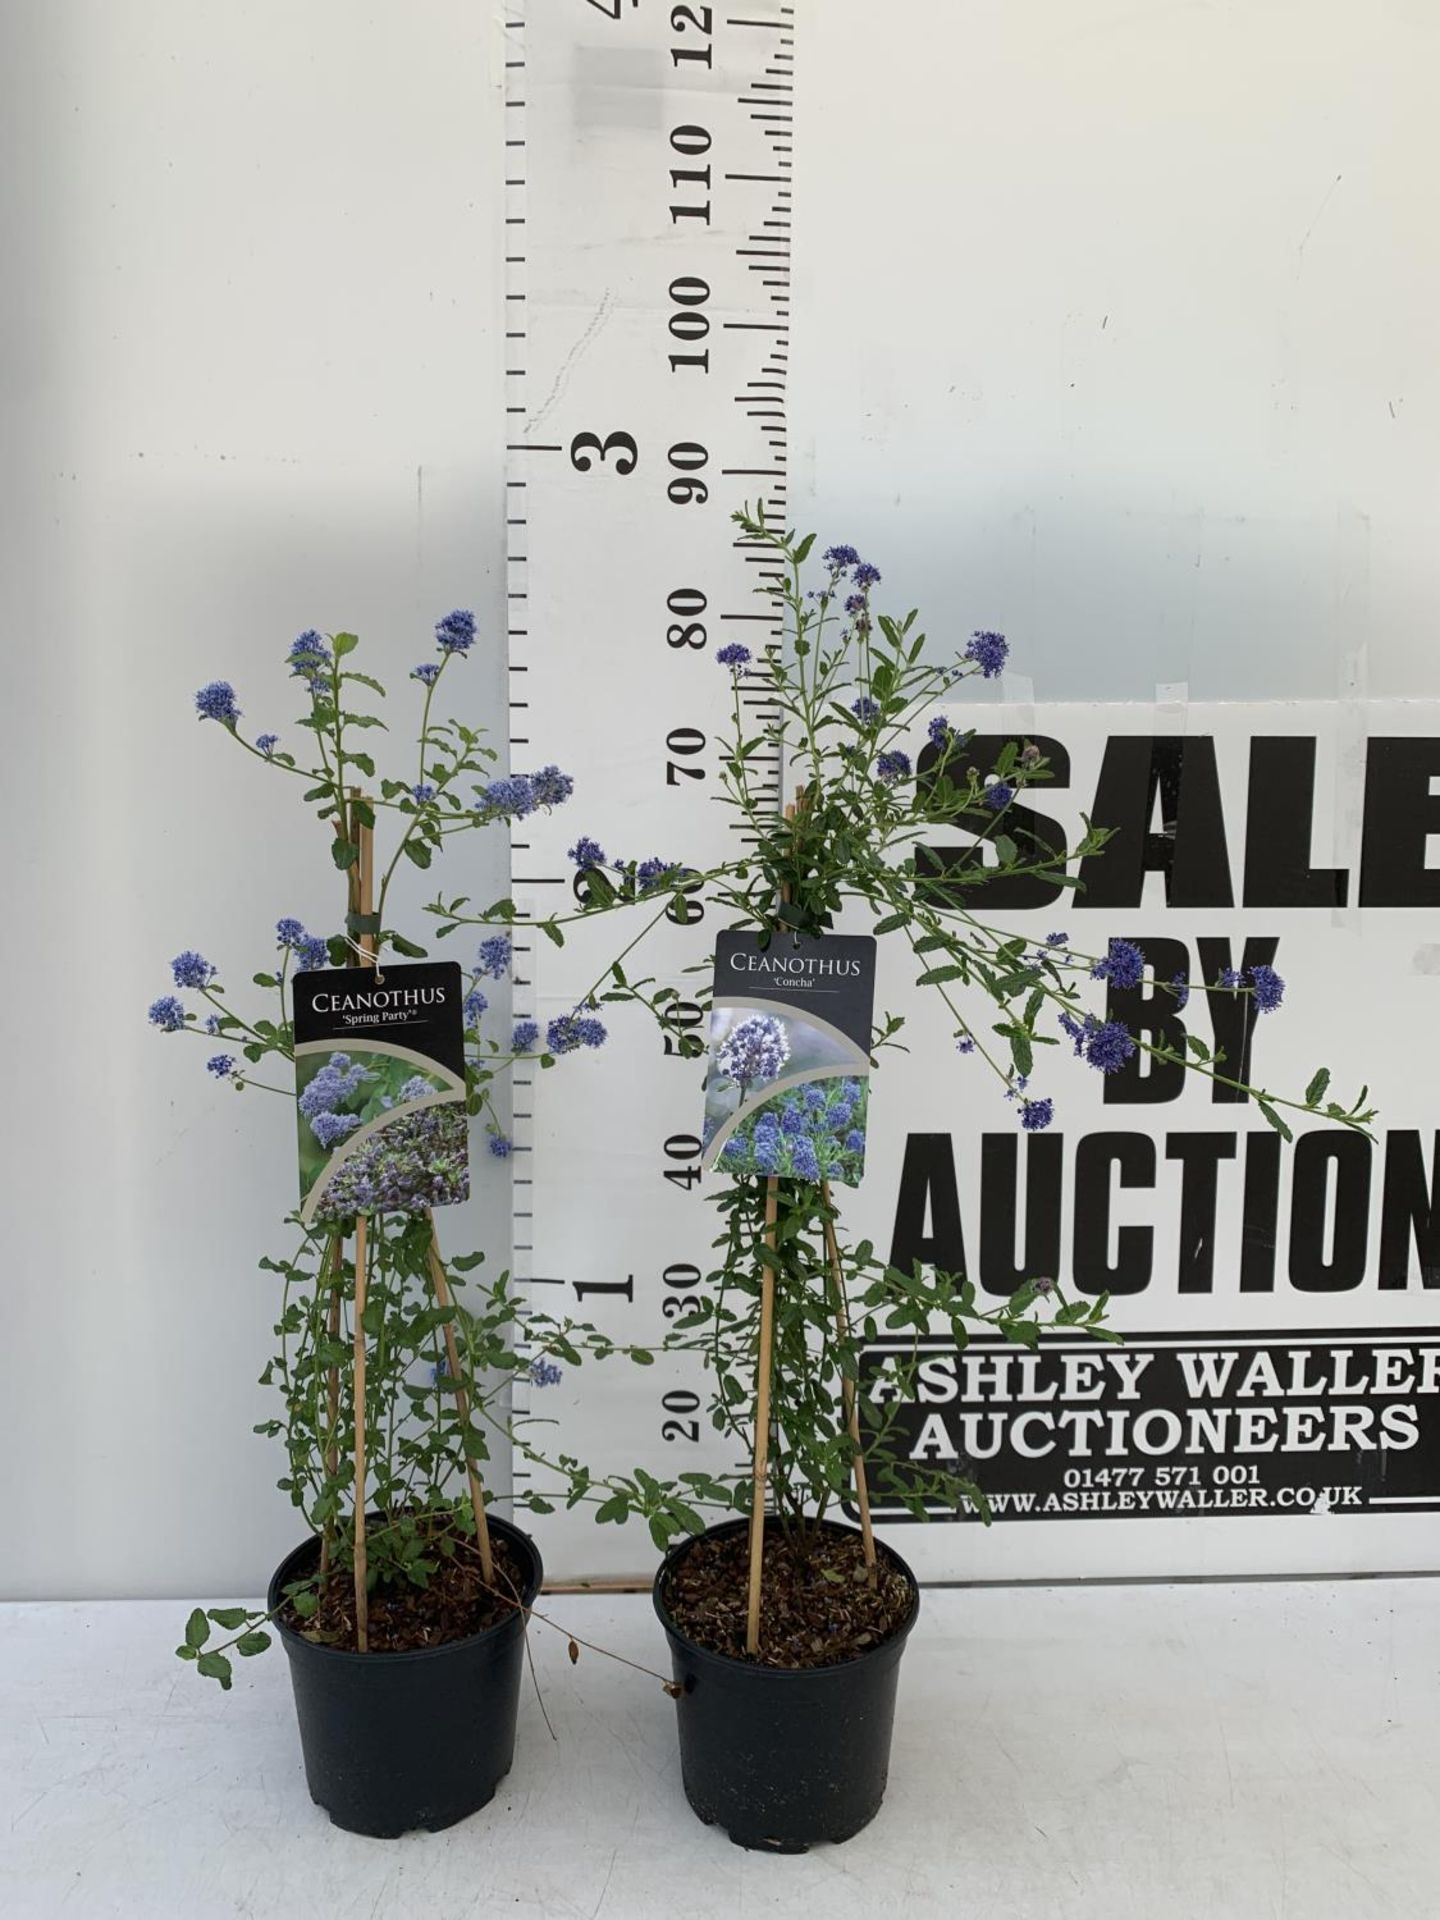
865, 710
1123, 965
515, 796
217, 702
988, 651
475, 1005
427, 673
651, 875
755, 1051
167, 1013
1105, 1044
311, 659
524, 1037
813, 1132
1036, 1115
456, 632
998, 797
568, 1032
331, 1128
191, 969
222, 1065
414, 1162
892, 767
311, 952
338, 1080
734, 656
587, 853
266, 743
545, 1373
1268, 987
493, 957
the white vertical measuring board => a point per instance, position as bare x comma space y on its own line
649, 209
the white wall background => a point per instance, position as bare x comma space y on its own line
250, 382
1115, 329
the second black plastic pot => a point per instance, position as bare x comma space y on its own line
394, 1741
782, 1758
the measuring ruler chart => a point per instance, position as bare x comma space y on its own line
649, 150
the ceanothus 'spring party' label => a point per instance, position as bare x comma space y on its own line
380, 1090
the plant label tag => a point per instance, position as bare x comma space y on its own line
788, 1080
380, 1089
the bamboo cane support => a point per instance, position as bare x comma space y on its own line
762, 1422
334, 1264
331, 1266
364, 837
362, 1605
462, 1407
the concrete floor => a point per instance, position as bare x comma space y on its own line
1230, 1752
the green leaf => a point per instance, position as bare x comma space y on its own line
1020, 1051
407, 947
1316, 1090
1274, 1118
344, 853
252, 1643
937, 976
552, 933
229, 1617
419, 852
892, 923
186, 1653
215, 1666
197, 1629
305, 1603
367, 767
345, 643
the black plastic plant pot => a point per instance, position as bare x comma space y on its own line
781, 1758
395, 1741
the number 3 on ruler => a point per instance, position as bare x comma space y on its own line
622, 445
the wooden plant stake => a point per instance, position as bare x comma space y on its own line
362, 1604
462, 1408
331, 1265
847, 1391
762, 1421
333, 1261
364, 838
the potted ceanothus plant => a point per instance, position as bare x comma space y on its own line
786, 1626
403, 1608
